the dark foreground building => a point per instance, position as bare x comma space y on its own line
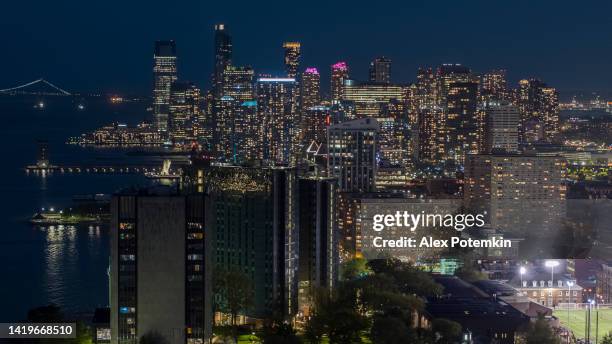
252, 221
159, 270
488, 320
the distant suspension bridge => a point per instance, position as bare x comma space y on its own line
48, 89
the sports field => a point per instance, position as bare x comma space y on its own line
577, 321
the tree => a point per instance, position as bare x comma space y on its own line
354, 268
391, 330
607, 339
346, 326
235, 289
409, 279
314, 329
280, 334
53, 314
446, 330
540, 332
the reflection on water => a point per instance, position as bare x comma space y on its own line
65, 265
67, 249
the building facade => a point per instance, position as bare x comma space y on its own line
352, 154
164, 74
159, 274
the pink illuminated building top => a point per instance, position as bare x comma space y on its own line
311, 70
340, 66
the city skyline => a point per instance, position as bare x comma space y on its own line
107, 55
308, 173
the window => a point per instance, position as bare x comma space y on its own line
128, 257
126, 226
195, 236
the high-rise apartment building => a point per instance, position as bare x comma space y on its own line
223, 127
461, 120
502, 121
253, 226
229, 117
164, 74
184, 121
159, 276
316, 119
276, 104
318, 238
539, 109
380, 70
493, 86
248, 132
517, 192
339, 73
310, 98
310, 94
292, 58
352, 154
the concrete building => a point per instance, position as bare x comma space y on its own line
501, 130
160, 275
519, 193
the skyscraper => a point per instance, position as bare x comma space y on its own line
370, 98
223, 56
253, 227
502, 121
316, 119
462, 124
352, 150
380, 70
448, 73
238, 83
276, 105
224, 115
248, 132
310, 98
228, 121
184, 121
339, 73
493, 85
539, 108
310, 88
429, 131
292, 58
160, 278
164, 74
318, 238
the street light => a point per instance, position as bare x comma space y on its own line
552, 264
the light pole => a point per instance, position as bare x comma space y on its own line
552, 264
569, 301
522, 271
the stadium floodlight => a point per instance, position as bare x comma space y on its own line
552, 264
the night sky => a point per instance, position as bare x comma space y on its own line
107, 45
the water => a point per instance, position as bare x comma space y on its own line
66, 266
